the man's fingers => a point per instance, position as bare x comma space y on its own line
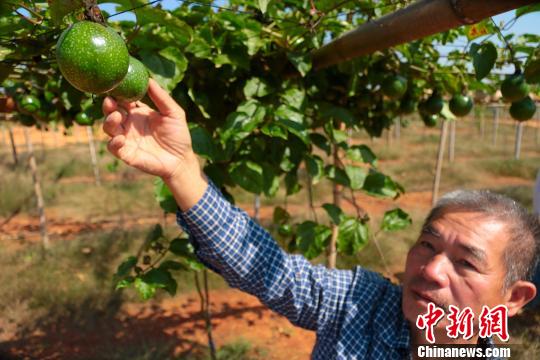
113, 124
163, 101
108, 106
115, 144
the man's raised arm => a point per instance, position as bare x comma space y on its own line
226, 239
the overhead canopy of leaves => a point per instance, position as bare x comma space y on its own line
259, 114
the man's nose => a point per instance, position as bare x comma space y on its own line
436, 270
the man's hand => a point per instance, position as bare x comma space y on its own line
156, 142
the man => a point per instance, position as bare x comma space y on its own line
475, 249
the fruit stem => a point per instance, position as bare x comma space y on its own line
508, 46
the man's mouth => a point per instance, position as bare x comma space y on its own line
425, 298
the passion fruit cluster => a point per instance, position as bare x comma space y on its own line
515, 89
95, 59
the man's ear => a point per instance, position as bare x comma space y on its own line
519, 294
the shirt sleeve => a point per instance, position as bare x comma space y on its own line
229, 242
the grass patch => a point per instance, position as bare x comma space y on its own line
525, 169
75, 280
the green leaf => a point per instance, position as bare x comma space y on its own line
263, 4
321, 142
160, 278
286, 112
270, 181
294, 98
164, 196
256, 87
252, 39
200, 48
146, 291
312, 238
172, 265
291, 183
274, 130
532, 71
167, 67
314, 167
125, 267
181, 247
353, 236
339, 113
484, 57
295, 128
334, 212
156, 17
240, 123
249, 175
527, 9
281, 215
302, 62
60, 8
379, 184
395, 219
337, 175
356, 176
124, 283
155, 234
202, 141
361, 153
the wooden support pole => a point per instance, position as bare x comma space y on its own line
537, 129
482, 124
388, 138
13, 146
440, 158
495, 124
452, 142
93, 156
519, 137
4, 136
397, 128
37, 191
418, 20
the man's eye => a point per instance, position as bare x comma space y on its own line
467, 264
427, 245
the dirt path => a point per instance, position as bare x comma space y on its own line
175, 322
24, 229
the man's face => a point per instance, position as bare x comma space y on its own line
457, 260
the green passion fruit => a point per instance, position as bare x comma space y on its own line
135, 83
461, 105
523, 109
430, 120
27, 120
514, 88
29, 104
407, 105
83, 119
92, 57
394, 86
433, 105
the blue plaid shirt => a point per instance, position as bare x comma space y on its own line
356, 313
